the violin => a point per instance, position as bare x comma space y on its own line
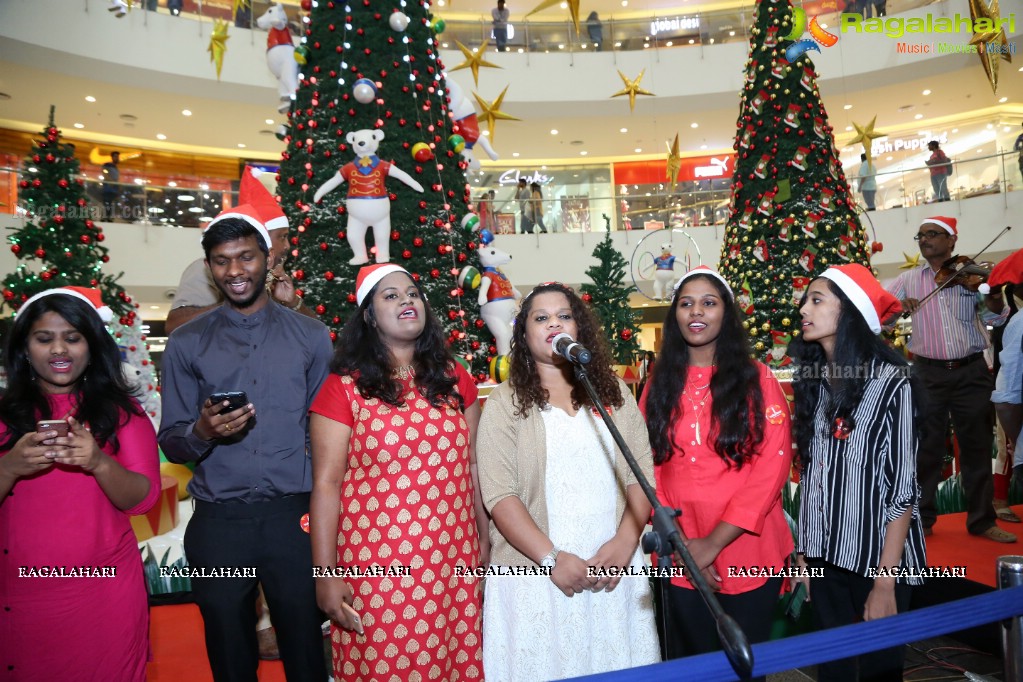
964, 271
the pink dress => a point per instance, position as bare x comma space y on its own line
407, 500
75, 628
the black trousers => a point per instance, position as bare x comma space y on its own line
690, 629
266, 536
838, 598
965, 395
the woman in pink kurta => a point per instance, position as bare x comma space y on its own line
72, 594
720, 431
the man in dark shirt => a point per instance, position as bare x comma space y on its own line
253, 471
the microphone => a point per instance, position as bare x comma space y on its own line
567, 347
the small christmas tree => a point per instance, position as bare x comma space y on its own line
609, 297
374, 72
792, 213
59, 244
135, 352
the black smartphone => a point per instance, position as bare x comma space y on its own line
235, 400
59, 425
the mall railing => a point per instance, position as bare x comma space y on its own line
567, 208
533, 35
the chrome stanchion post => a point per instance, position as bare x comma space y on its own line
1010, 574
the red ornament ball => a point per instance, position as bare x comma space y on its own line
62, 183
626, 334
587, 298
299, 274
395, 235
47, 276
418, 241
352, 298
16, 249
328, 275
406, 254
40, 253
320, 309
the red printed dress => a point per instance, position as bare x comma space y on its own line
407, 500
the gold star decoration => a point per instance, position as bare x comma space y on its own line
632, 89
911, 261
994, 39
218, 44
474, 61
674, 163
240, 5
491, 111
865, 135
573, 9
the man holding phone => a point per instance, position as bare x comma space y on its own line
253, 472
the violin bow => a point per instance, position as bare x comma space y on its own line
951, 279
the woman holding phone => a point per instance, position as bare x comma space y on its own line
65, 499
859, 518
395, 515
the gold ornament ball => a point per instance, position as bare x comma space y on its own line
774, 292
785, 322
759, 346
787, 91
745, 324
766, 326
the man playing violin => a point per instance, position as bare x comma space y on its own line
948, 345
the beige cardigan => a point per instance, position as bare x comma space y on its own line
511, 457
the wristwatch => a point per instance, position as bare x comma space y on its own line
550, 558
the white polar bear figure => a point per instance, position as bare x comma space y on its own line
368, 202
467, 125
664, 273
280, 54
498, 299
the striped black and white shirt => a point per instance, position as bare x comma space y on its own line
851, 489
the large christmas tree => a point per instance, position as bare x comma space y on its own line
609, 298
370, 68
59, 244
792, 214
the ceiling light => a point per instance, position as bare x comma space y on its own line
955, 130
195, 209
269, 121
711, 41
990, 126
515, 154
241, 145
847, 107
669, 43
692, 41
694, 125
161, 136
979, 151
583, 153
79, 125
926, 92
625, 3
731, 34
638, 150
186, 112
848, 129
154, 307
554, 131
623, 130
888, 158
918, 116
90, 98
564, 5
172, 184
1006, 129
1003, 100
186, 197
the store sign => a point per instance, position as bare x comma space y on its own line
904, 144
717, 168
691, 169
512, 177
674, 25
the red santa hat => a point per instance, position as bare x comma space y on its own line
1008, 271
704, 270
370, 275
945, 223
255, 194
246, 213
91, 296
865, 292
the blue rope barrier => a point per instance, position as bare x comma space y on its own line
829, 645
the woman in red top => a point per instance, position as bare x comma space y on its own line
720, 432
396, 514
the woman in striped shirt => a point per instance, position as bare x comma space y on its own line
858, 519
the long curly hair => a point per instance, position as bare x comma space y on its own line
361, 353
856, 349
523, 376
737, 412
103, 398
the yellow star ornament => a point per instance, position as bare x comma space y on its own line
632, 89
218, 44
491, 111
573, 9
674, 163
474, 61
911, 261
989, 35
865, 135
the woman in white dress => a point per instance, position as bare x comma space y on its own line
565, 507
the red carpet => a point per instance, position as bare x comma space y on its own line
179, 651
951, 545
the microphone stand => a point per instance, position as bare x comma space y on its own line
668, 535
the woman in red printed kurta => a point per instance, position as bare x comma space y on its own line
720, 431
394, 486
71, 588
